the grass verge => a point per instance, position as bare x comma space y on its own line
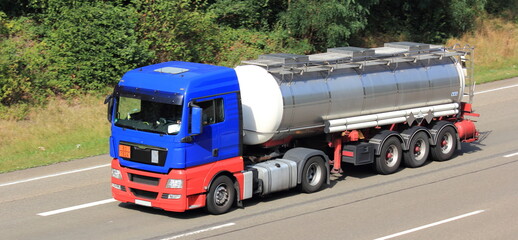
61, 131
496, 49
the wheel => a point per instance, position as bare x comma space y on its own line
313, 175
221, 195
445, 145
390, 157
418, 150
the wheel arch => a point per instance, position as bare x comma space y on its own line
408, 134
301, 156
379, 139
235, 183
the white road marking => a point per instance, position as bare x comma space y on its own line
496, 89
430, 225
54, 175
511, 155
68, 209
199, 231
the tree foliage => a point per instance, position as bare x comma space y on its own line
92, 44
327, 23
62, 47
21, 61
178, 30
431, 21
249, 14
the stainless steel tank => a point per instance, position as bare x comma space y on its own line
346, 83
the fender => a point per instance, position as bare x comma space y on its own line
408, 134
381, 137
236, 179
301, 155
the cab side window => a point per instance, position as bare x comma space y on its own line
213, 111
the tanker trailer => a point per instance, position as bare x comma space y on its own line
188, 135
409, 92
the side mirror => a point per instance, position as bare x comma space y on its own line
196, 123
109, 100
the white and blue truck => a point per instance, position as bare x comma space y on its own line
189, 135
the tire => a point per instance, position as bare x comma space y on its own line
418, 150
221, 195
445, 145
390, 157
313, 175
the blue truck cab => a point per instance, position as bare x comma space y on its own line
167, 119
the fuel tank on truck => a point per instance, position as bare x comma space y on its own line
287, 95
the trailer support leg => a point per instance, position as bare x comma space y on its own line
337, 159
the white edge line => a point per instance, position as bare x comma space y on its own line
68, 209
430, 225
496, 89
511, 155
199, 231
54, 175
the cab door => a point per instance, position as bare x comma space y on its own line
220, 132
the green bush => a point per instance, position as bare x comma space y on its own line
242, 44
258, 15
328, 23
21, 62
178, 30
92, 45
430, 21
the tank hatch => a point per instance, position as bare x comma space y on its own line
279, 60
352, 51
285, 58
409, 46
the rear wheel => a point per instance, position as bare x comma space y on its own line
390, 157
418, 150
313, 175
445, 145
221, 195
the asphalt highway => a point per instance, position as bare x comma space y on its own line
472, 196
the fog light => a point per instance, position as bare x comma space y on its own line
116, 173
174, 183
117, 186
171, 196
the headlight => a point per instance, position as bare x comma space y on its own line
116, 173
174, 183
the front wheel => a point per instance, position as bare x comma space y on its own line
221, 195
313, 175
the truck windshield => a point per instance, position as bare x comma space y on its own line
148, 116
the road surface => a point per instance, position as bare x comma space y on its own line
472, 196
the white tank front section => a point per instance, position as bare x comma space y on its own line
262, 104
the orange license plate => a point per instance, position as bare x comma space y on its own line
124, 151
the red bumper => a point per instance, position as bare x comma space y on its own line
149, 189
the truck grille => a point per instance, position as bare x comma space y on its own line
144, 179
144, 194
142, 153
